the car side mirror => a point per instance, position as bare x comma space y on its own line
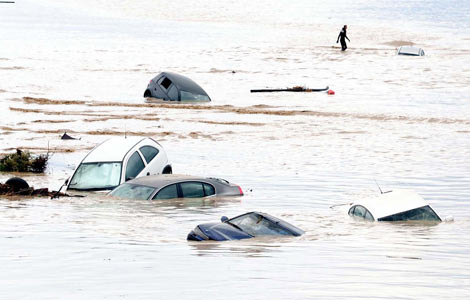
66, 181
223, 219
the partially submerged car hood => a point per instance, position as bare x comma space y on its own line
217, 232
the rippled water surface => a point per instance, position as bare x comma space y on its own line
82, 67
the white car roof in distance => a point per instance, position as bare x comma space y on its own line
409, 50
393, 202
113, 149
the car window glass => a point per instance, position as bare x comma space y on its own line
351, 211
187, 96
168, 192
424, 213
165, 83
192, 189
173, 93
368, 216
134, 166
99, 175
208, 189
132, 191
359, 211
255, 224
149, 152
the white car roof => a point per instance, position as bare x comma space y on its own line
411, 50
393, 202
113, 149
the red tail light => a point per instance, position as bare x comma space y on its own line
240, 190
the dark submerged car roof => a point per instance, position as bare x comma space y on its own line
184, 83
223, 231
295, 230
158, 181
227, 230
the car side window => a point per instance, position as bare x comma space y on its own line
165, 82
360, 212
421, 213
368, 216
149, 152
168, 192
208, 189
351, 211
192, 189
134, 166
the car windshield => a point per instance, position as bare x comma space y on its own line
424, 213
255, 224
96, 176
133, 191
187, 96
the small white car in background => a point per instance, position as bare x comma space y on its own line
410, 50
118, 160
397, 205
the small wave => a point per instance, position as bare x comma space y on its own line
250, 110
52, 121
122, 117
227, 123
214, 70
31, 100
398, 43
194, 134
351, 132
54, 149
12, 68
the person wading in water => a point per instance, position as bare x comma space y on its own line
342, 37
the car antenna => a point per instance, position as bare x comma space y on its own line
125, 130
378, 186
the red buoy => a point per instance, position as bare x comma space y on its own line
331, 92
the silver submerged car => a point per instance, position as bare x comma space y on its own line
162, 187
175, 87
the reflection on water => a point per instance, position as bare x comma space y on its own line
242, 248
146, 238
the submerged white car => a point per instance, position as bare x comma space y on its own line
410, 50
118, 160
397, 205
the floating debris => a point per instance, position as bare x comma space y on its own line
17, 186
65, 136
292, 89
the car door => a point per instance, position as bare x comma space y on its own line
134, 166
155, 161
196, 189
169, 88
168, 192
